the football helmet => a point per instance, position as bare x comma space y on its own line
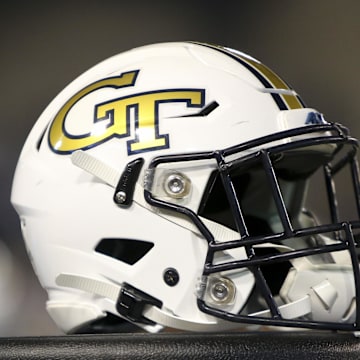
186, 185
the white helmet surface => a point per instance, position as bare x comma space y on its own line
166, 186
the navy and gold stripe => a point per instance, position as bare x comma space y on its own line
267, 77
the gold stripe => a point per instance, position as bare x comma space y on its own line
291, 101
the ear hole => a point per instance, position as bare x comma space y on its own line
126, 250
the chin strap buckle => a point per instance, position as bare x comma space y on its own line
131, 304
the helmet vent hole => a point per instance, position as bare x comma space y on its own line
126, 250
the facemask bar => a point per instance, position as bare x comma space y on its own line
331, 171
254, 262
300, 138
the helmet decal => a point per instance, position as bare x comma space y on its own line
113, 118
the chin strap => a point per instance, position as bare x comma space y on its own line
111, 176
150, 312
165, 318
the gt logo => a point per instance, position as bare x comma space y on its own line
119, 117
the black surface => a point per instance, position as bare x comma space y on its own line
266, 345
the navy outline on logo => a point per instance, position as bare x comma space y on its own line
109, 115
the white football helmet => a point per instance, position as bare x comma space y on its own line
167, 186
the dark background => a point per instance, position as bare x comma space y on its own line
312, 44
